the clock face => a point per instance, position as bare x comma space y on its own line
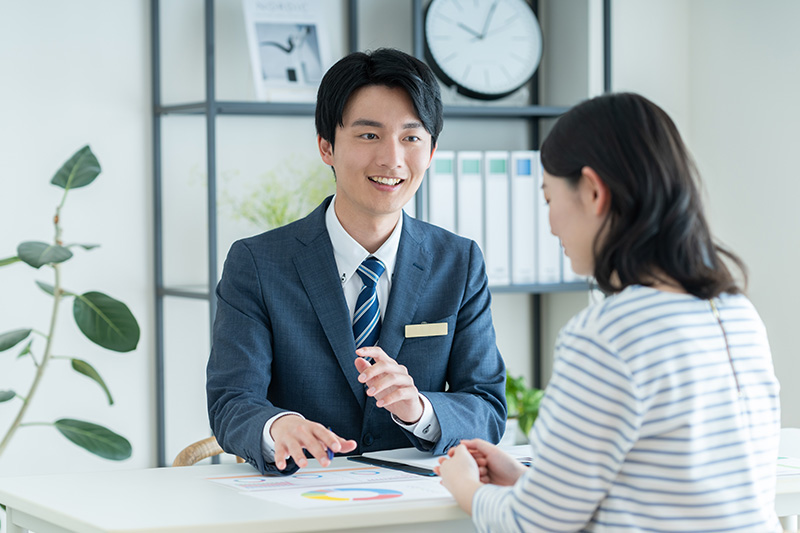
486, 48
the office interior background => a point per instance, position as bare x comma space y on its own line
76, 73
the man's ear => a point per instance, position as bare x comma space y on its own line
325, 150
596, 191
435, 146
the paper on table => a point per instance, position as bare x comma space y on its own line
304, 478
365, 493
788, 466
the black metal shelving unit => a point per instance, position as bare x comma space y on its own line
211, 108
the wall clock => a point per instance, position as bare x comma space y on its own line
486, 49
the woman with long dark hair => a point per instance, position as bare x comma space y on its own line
662, 413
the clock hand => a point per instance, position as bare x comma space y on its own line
469, 30
502, 27
488, 19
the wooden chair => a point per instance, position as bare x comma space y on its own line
200, 450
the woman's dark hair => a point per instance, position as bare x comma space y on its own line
655, 226
387, 67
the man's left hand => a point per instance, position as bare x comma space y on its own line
389, 383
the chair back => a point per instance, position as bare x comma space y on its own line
200, 450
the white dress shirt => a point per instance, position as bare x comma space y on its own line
349, 254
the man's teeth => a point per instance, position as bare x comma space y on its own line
385, 181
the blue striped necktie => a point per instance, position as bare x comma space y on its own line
367, 317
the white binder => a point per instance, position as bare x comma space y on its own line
524, 203
548, 246
441, 190
469, 192
498, 217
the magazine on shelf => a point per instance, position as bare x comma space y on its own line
289, 48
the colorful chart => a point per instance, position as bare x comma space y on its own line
338, 496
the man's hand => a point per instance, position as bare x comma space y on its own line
389, 383
293, 433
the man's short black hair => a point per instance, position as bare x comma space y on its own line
384, 66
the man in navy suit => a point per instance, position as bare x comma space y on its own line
286, 378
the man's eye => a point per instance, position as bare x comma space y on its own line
369, 136
413, 138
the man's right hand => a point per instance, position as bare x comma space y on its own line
292, 434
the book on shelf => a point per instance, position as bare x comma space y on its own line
441, 190
494, 197
497, 201
524, 204
548, 250
469, 192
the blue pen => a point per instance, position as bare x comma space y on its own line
330, 452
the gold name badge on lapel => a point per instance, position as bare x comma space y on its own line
426, 330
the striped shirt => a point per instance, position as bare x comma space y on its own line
644, 428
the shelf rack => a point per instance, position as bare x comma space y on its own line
211, 108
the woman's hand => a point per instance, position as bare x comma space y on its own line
460, 476
494, 465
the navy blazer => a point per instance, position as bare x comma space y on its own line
283, 340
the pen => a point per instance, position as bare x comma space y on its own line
330, 452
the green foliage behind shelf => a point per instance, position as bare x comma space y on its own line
290, 191
523, 402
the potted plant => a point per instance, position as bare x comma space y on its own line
102, 319
523, 408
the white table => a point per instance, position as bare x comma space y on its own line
787, 501
182, 500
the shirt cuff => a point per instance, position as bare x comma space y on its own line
267, 444
427, 427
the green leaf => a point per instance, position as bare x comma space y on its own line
8, 260
46, 287
25, 351
95, 439
106, 321
526, 423
84, 246
6, 395
81, 169
12, 338
88, 370
514, 389
37, 254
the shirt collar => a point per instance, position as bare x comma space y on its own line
349, 254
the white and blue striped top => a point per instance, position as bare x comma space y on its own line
642, 427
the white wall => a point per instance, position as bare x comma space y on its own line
727, 71
75, 73
744, 116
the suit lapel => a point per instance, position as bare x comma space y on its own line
316, 267
411, 273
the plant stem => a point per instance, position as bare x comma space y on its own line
48, 350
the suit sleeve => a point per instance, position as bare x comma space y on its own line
239, 368
474, 406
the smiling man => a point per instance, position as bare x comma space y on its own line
358, 328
